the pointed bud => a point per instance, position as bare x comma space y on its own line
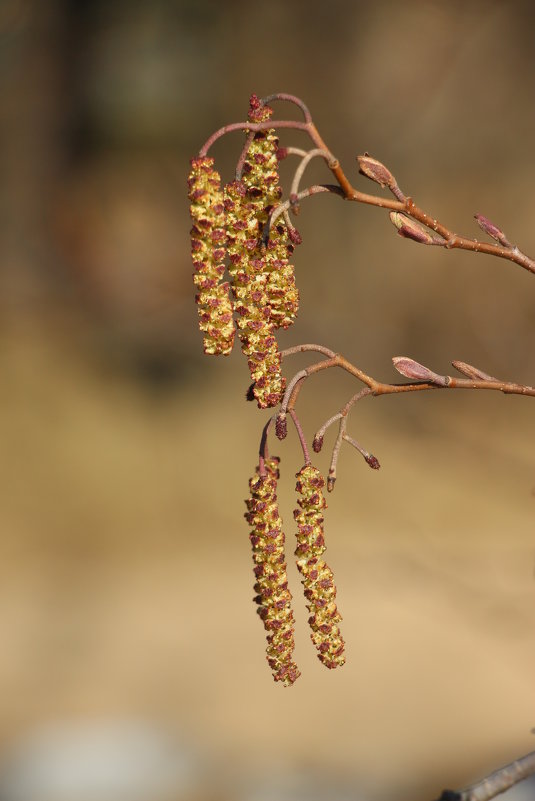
418, 372
492, 230
376, 171
472, 372
410, 229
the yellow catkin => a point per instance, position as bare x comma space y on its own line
208, 251
251, 301
273, 596
261, 179
318, 581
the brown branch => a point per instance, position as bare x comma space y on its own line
498, 782
424, 379
406, 205
381, 388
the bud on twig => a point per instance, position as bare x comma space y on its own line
492, 230
373, 461
472, 372
418, 372
317, 443
410, 229
376, 171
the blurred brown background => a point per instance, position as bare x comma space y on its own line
125, 569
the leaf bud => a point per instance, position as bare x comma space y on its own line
418, 372
492, 230
376, 171
410, 229
472, 372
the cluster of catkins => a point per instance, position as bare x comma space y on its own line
227, 234
273, 596
229, 223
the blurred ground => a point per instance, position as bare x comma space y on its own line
125, 570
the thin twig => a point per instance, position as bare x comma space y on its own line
498, 782
312, 154
251, 126
291, 99
409, 207
316, 189
300, 434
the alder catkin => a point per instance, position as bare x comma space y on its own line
208, 251
261, 179
273, 596
251, 301
318, 581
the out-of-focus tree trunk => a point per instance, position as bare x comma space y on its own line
31, 121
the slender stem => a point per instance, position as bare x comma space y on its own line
305, 348
300, 434
243, 155
283, 207
312, 154
498, 782
291, 99
331, 477
252, 126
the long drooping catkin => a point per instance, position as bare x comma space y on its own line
208, 251
273, 596
261, 179
318, 582
251, 304
263, 281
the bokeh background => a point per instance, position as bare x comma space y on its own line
132, 661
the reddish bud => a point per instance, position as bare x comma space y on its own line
492, 230
281, 428
418, 372
376, 171
317, 443
410, 229
281, 153
472, 372
373, 461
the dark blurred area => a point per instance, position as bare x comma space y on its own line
132, 662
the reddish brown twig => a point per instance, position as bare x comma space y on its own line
375, 170
423, 379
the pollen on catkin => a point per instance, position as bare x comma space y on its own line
251, 300
317, 580
273, 596
261, 179
208, 251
